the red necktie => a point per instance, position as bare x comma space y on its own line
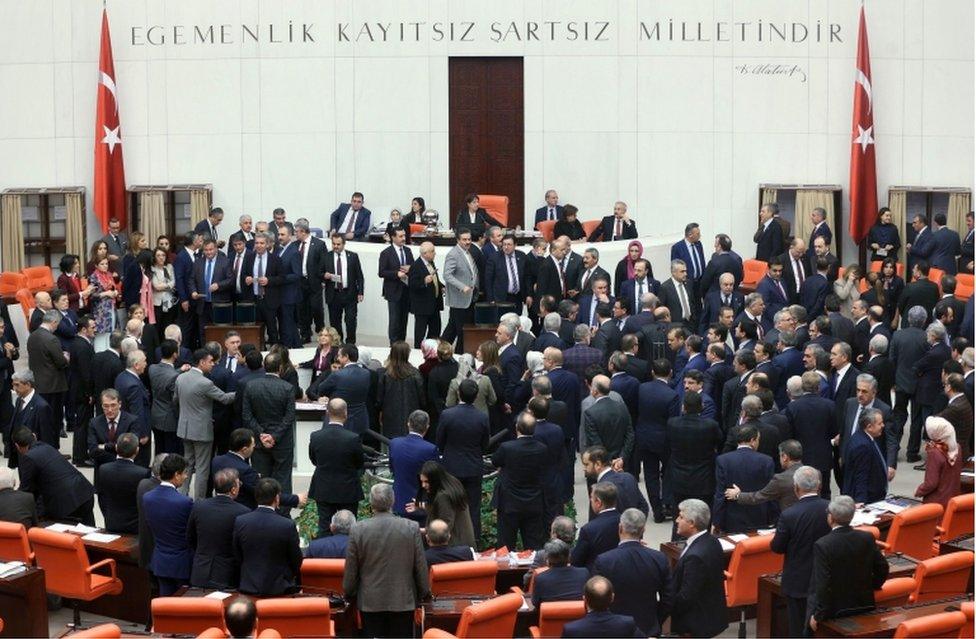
619, 230
111, 431
562, 277
352, 222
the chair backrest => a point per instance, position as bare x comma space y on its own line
875, 532
213, 633
39, 278
958, 518
942, 624
913, 530
323, 574
751, 558
269, 633
64, 560
546, 227
942, 576
964, 286
535, 572
104, 631
899, 267
13, 543
492, 618
296, 617
935, 275
894, 592
496, 206
186, 615
553, 615
437, 633
11, 282
26, 299
966, 632
590, 225
753, 271
463, 577
417, 228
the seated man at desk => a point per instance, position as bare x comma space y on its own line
61, 490
615, 227
440, 550
16, 506
351, 219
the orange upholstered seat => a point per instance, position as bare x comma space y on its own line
942, 576
943, 624
26, 299
11, 282
966, 632
895, 592
590, 225
186, 615
752, 272
417, 228
553, 615
964, 286
39, 278
492, 618
213, 633
496, 206
14, 545
104, 631
463, 577
546, 227
323, 574
296, 617
958, 518
912, 531
437, 633
751, 558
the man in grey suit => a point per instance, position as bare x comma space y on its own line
268, 409
162, 413
386, 571
908, 344
116, 241
196, 394
780, 487
49, 363
849, 422
607, 423
461, 286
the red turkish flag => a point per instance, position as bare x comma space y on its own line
864, 177
109, 199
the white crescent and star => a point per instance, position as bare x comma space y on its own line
111, 138
864, 137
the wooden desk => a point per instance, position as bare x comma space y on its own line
475, 334
250, 333
23, 605
959, 544
966, 479
771, 615
509, 576
883, 622
133, 603
444, 613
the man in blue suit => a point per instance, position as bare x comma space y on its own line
188, 318
68, 327
750, 471
601, 533
31, 411
769, 237
211, 284
561, 582
511, 360
209, 533
291, 275
549, 336
814, 423
266, 545
865, 468
333, 546
773, 291
640, 576
657, 402
598, 294
596, 466
696, 362
615, 227
947, 246
814, 290
690, 251
407, 456
566, 385
633, 290
724, 297
167, 513
351, 383
599, 621
922, 247
722, 261
552, 211
820, 229
135, 400
505, 275
241, 445
698, 607
351, 220
550, 434
797, 529
789, 361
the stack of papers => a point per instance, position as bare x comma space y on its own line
11, 568
726, 544
736, 538
81, 529
217, 594
765, 531
863, 518
886, 505
102, 538
525, 558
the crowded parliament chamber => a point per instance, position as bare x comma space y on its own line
475, 319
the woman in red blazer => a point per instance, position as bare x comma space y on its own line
70, 282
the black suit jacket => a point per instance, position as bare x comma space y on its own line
798, 528
337, 454
607, 338
273, 270
598, 536
425, 297
498, 274
608, 423
394, 289
18, 507
82, 370
928, 371
38, 417
210, 532
482, 220
266, 548
694, 441
922, 293
698, 608
98, 434
354, 274
146, 541
268, 407
720, 263
447, 554
751, 471
117, 484
602, 624
604, 232
518, 488
222, 276
770, 242
847, 569
641, 583
668, 296
57, 485
790, 278
239, 234
462, 438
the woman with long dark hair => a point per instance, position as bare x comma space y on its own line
164, 289
893, 286
400, 391
288, 372
70, 282
492, 369
883, 238
448, 501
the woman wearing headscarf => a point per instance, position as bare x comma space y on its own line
467, 369
428, 348
625, 267
943, 463
523, 391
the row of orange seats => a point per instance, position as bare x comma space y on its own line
23, 284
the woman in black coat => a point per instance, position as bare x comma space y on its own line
569, 225
474, 218
884, 237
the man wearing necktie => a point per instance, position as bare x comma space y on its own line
212, 281
311, 255
689, 250
208, 228
505, 275
676, 294
966, 247
344, 288
426, 291
865, 468
115, 241
291, 275
552, 211
262, 284
245, 232
796, 269
394, 265
461, 288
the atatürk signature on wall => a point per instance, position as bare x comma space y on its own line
788, 70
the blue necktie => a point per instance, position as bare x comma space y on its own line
208, 277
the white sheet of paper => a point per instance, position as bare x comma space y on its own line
83, 529
102, 538
765, 531
59, 528
738, 537
726, 544
217, 594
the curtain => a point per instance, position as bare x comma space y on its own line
199, 206
897, 202
806, 201
75, 225
959, 205
12, 244
768, 196
151, 215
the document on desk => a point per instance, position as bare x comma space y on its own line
891, 507
59, 528
736, 538
217, 594
10, 568
727, 545
864, 518
101, 538
81, 529
765, 531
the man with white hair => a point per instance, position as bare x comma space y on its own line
174, 333
798, 528
49, 363
549, 337
698, 608
135, 400
31, 411
878, 365
333, 546
928, 385
244, 233
523, 341
16, 506
724, 297
426, 295
511, 360
907, 346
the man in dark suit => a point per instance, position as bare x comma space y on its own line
426, 295
407, 456
207, 229
750, 471
847, 567
186, 257
928, 387
814, 290
241, 445
966, 247
880, 366
351, 383
614, 227
796, 268
597, 468
769, 237
599, 621
60, 490
32, 412
211, 284
46, 359
841, 327
689, 250
117, 242
566, 386
552, 211
210, 531
333, 546
351, 220
266, 545
590, 269
462, 437
698, 607
813, 420
556, 274
610, 424
850, 416
146, 542
263, 278
635, 290
167, 512
439, 549
677, 294
549, 337
597, 293
81, 384
518, 491
134, 398
240, 249
16, 506
244, 233
657, 402
922, 246
722, 261
607, 337
640, 575
908, 345
743, 366
561, 582
344, 287
843, 381
769, 435
116, 484
601, 533
959, 412
395, 262
865, 468
337, 454
505, 275
291, 277
692, 442
922, 292
774, 295
716, 300
798, 529
268, 409
311, 256
716, 375
946, 245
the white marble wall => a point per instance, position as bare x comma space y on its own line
669, 127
